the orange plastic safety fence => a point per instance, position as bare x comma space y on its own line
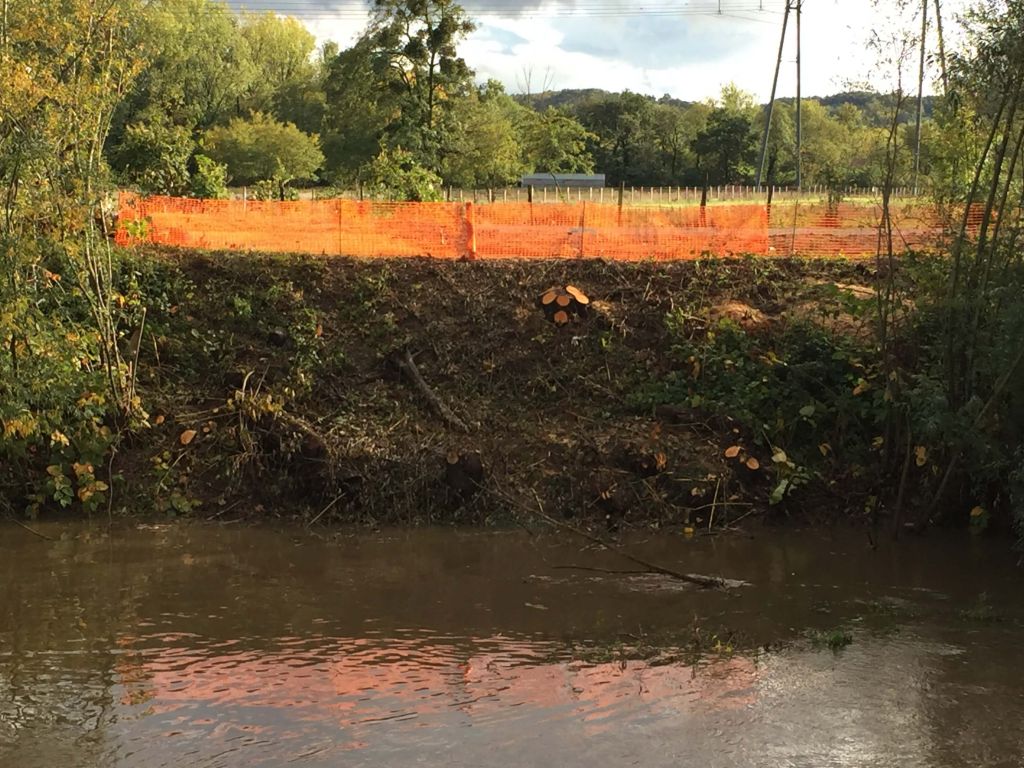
525, 230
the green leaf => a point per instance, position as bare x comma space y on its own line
779, 493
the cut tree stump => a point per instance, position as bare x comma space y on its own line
464, 473
561, 305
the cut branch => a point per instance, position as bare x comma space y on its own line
706, 582
408, 367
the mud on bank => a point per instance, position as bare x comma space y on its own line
279, 384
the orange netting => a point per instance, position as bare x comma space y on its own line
525, 230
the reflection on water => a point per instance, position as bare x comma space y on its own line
184, 646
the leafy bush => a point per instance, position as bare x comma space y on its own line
807, 396
210, 181
154, 157
395, 175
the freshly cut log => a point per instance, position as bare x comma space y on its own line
577, 294
561, 305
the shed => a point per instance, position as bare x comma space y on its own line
564, 180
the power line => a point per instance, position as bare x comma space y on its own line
586, 9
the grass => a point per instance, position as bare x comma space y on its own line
834, 640
981, 611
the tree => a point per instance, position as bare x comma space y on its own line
725, 148
557, 143
676, 128
488, 151
623, 139
285, 77
199, 65
358, 113
263, 149
413, 48
64, 386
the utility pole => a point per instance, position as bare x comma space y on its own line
920, 93
942, 47
799, 106
771, 102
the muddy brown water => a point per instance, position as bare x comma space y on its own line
192, 645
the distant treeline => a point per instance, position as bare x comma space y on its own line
248, 99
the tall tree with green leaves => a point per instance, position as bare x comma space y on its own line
358, 112
725, 148
489, 149
557, 143
414, 50
284, 73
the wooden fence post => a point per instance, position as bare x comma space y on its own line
470, 232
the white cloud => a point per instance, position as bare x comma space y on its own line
689, 57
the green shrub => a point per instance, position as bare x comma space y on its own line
210, 181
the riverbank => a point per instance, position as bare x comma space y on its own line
687, 395
282, 384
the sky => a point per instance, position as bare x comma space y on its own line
683, 48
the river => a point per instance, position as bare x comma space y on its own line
225, 646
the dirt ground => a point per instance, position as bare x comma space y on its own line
279, 386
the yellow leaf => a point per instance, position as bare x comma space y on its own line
82, 469
688, 531
732, 452
978, 512
922, 455
780, 457
877, 443
59, 438
825, 449
187, 436
861, 388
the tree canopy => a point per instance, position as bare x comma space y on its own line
403, 86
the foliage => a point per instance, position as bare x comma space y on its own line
490, 152
412, 45
210, 180
835, 640
154, 157
64, 67
263, 149
556, 143
803, 395
395, 175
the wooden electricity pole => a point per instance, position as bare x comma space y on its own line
799, 108
771, 101
942, 46
920, 93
